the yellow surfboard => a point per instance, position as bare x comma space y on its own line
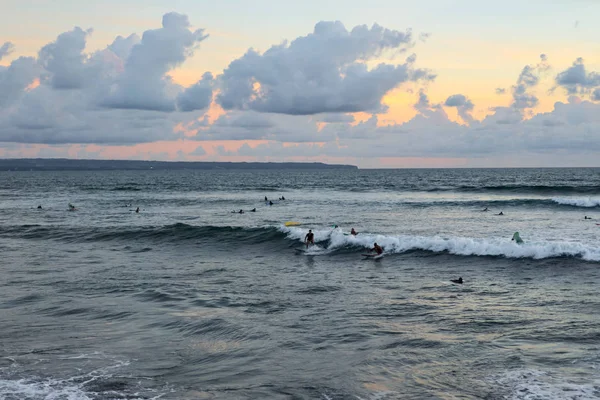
292, 223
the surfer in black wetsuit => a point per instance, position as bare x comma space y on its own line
459, 280
241, 212
309, 238
586, 217
266, 199
353, 232
270, 203
253, 210
377, 248
485, 209
501, 213
137, 210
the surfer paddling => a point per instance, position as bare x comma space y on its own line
309, 238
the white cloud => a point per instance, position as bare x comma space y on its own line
143, 85
322, 72
110, 96
15, 79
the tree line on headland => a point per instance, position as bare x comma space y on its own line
64, 164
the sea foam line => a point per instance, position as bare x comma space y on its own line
464, 246
587, 202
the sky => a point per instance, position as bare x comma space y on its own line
379, 84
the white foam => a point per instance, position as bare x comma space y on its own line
47, 390
538, 385
454, 245
587, 202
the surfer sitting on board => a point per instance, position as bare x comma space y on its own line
377, 248
309, 238
353, 232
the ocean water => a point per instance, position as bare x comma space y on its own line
187, 300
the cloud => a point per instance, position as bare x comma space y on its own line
121, 46
6, 49
596, 95
15, 79
199, 151
64, 61
576, 79
337, 118
463, 105
197, 96
323, 72
110, 96
500, 91
143, 85
528, 78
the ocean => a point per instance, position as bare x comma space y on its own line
188, 299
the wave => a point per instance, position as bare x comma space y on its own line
588, 202
560, 202
168, 233
533, 189
329, 241
335, 240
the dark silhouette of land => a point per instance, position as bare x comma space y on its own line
64, 164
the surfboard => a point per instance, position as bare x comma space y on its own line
373, 256
292, 223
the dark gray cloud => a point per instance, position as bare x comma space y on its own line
6, 49
596, 95
197, 96
143, 85
322, 72
576, 79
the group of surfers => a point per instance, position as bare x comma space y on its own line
309, 240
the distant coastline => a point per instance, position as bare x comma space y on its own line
65, 164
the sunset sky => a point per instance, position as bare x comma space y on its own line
385, 84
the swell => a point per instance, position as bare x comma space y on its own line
330, 242
556, 202
529, 189
168, 233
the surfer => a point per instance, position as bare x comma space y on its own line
309, 238
586, 217
270, 203
40, 207
253, 210
282, 198
517, 238
377, 248
266, 199
137, 210
501, 213
71, 207
353, 232
485, 209
241, 212
459, 280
